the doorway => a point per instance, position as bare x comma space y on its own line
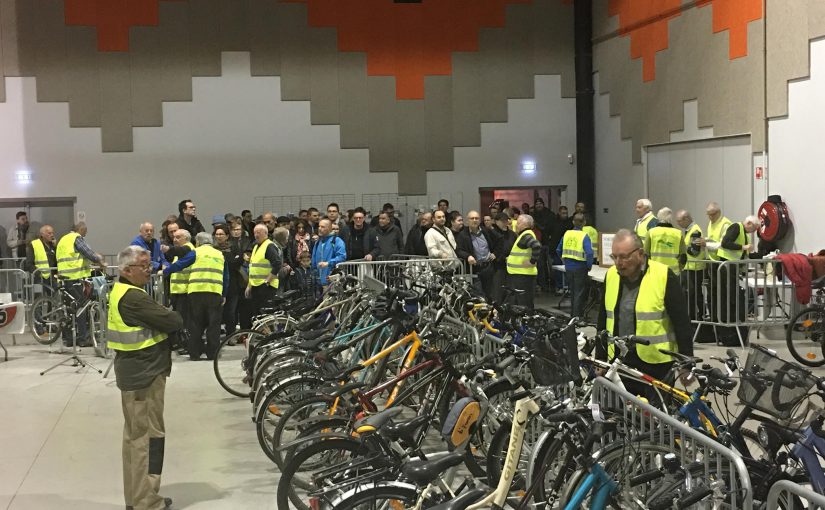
57, 212
553, 196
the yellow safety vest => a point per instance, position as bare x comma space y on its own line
593, 234
179, 281
741, 239
121, 337
641, 225
41, 258
518, 262
693, 263
715, 233
652, 321
572, 246
259, 266
665, 244
71, 265
207, 271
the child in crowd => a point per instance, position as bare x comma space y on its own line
305, 278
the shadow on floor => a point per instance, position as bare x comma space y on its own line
190, 493
56, 501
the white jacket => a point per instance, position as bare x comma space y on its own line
439, 246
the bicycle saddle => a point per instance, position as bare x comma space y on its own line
314, 344
404, 430
311, 334
422, 472
376, 421
461, 502
314, 323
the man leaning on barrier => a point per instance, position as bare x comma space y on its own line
139, 332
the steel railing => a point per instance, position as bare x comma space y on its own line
400, 271
792, 491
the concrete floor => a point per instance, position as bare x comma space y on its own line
60, 435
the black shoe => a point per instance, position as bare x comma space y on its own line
182, 352
167, 502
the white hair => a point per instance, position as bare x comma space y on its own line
129, 256
185, 233
753, 220
665, 215
526, 219
203, 238
646, 203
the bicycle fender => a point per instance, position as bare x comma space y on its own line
546, 436
362, 487
311, 439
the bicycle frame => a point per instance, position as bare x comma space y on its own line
605, 487
805, 450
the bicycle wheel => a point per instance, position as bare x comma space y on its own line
297, 474
96, 332
805, 336
47, 319
551, 466
373, 497
230, 362
291, 423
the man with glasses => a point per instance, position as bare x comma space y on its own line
475, 246
644, 298
358, 238
188, 219
138, 331
181, 256
334, 215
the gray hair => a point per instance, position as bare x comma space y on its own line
665, 215
646, 203
185, 233
129, 256
684, 214
713, 206
203, 238
753, 220
526, 219
624, 234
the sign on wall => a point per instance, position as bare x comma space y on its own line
605, 248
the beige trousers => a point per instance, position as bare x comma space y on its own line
143, 444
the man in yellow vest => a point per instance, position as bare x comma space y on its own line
182, 255
593, 234
645, 219
522, 260
664, 242
577, 253
717, 226
74, 259
735, 245
41, 258
694, 270
138, 331
644, 298
206, 289
264, 266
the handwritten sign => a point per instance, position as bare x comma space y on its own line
605, 248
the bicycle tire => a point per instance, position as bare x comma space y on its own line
230, 361
308, 407
385, 496
47, 318
287, 497
547, 454
804, 330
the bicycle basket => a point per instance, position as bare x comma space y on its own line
555, 358
772, 385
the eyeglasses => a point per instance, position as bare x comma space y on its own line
617, 258
142, 267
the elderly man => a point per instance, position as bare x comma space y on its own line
146, 240
576, 251
643, 298
717, 225
735, 245
181, 256
693, 273
41, 257
415, 237
645, 219
521, 263
138, 331
208, 283
475, 246
664, 242
188, 219
439, 239
328, 251
264, 266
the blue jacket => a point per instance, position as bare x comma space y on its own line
155, 254
573, 265
329, 249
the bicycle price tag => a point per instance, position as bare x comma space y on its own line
595, 410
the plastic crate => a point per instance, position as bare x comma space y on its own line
772, 385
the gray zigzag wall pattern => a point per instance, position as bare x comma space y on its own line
117, 91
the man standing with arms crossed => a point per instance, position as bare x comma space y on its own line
264, 266
138, 331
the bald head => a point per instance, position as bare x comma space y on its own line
683, 218
147, 232
47, 233
80, 228
261, 232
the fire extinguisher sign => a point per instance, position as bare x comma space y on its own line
759, 174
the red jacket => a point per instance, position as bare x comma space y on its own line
799, 272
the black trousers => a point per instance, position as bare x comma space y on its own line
524, 282
180, 304
484, 282
204, 315
261, 295
578, 281
230, 310
692, 283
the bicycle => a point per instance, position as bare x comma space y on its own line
52, 315
805, 333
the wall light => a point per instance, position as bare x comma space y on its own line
528, 167
24, 176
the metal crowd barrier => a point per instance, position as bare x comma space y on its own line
648, 424
742, 294
400, 271
790, 489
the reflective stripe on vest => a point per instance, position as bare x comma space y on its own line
693, 263
518, 262
179, 281
259, 266
593, 234
70, 263
665, 243
741, 240
41, 258
572, 246
121, 337
652, 321
207, 271
715, 233
641, 225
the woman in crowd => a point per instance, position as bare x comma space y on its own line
233, 256
300, 242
